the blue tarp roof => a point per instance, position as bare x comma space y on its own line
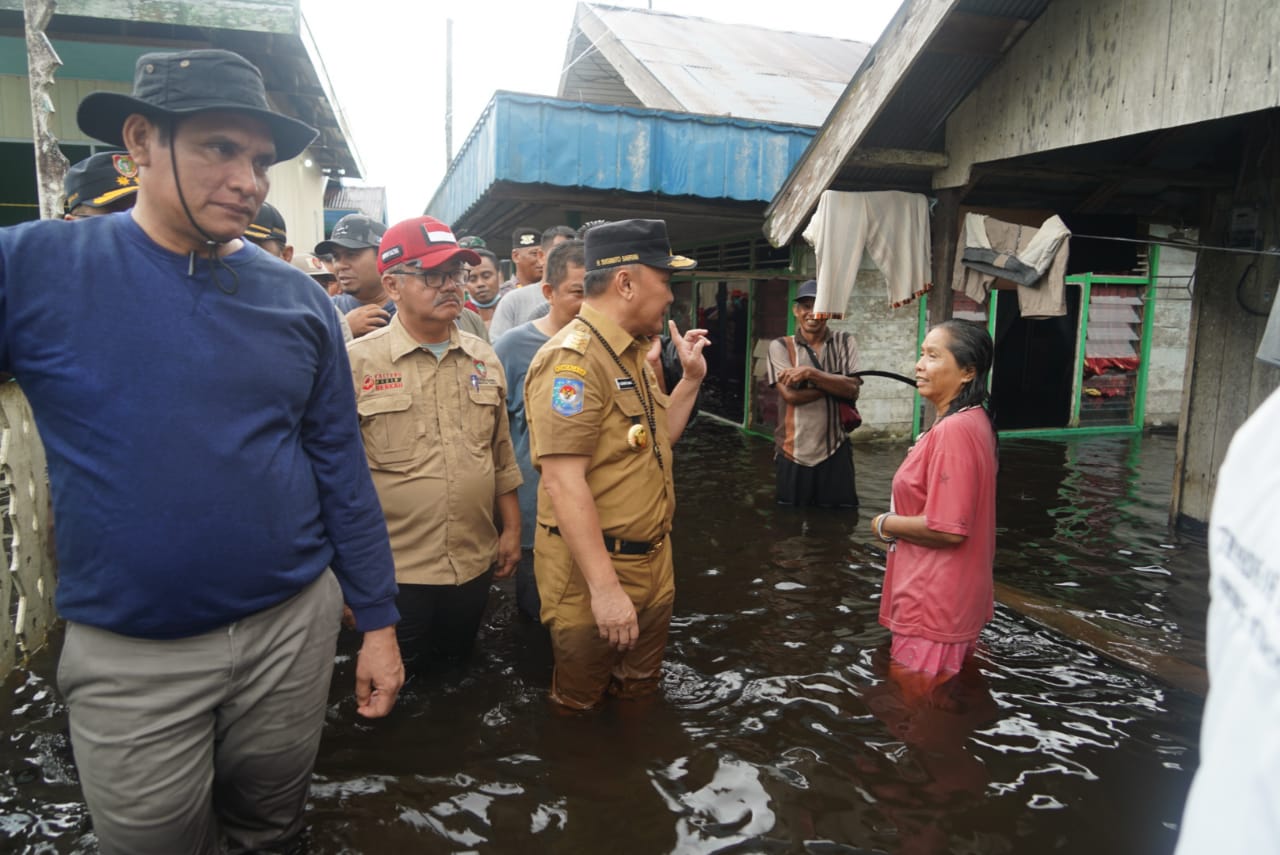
528, 139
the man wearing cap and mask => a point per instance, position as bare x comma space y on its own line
431, 403
213, 502
810, 371
103, 183
601, 434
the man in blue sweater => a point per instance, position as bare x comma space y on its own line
214, 507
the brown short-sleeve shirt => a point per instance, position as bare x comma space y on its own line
580, 401
439, 449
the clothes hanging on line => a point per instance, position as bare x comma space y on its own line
1034, 259
891, 226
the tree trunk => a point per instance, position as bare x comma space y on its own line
42, 62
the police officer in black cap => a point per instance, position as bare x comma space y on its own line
268, 231
103, 183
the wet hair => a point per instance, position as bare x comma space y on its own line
562, 256
554, 232
970, 344
485, 253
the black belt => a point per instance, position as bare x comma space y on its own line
618, 546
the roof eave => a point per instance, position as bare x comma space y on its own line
893, 55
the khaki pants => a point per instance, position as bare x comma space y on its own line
587, 667
180, 743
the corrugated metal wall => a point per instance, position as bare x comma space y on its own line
546, 141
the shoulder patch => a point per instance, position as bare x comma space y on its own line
566, 396
570, 368
577, 341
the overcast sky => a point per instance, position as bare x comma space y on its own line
386, 59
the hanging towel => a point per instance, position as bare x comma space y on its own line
893, 228
1034, 259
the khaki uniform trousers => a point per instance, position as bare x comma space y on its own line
587, 667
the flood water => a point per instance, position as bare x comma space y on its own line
776, 730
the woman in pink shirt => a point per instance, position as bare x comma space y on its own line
941, 524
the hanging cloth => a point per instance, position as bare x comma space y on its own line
1034, 259
891, 226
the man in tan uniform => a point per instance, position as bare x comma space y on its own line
431, 400
601, 434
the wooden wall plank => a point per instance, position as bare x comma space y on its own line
1195, 56
1101, 47
1244, 38
1054, 87
15, 106
1144, 60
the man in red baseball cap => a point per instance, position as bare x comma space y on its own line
431, 403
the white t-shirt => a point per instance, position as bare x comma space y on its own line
1234, 804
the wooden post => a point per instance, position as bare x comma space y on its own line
1224, 381
946, 232
42, 62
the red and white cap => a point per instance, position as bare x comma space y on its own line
422, 242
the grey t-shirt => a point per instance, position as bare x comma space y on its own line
518, 307
515, 351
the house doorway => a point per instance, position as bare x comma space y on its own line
1033, 371
721, 307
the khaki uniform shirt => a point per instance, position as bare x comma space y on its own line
578, 400
436, 437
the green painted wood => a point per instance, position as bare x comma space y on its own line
1148, 321
1069, 432
254, 16
1082, 344
922, 329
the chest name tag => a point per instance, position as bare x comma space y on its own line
624, 384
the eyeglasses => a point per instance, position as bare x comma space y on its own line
436, 279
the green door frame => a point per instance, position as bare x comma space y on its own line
1086, 281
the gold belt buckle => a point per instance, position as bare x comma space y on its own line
657, 545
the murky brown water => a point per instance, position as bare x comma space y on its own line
776, 730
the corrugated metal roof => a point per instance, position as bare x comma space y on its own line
533, 140
707, 67
370, 201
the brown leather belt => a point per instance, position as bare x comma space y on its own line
617, 546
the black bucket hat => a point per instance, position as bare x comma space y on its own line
181, 84
632, 242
